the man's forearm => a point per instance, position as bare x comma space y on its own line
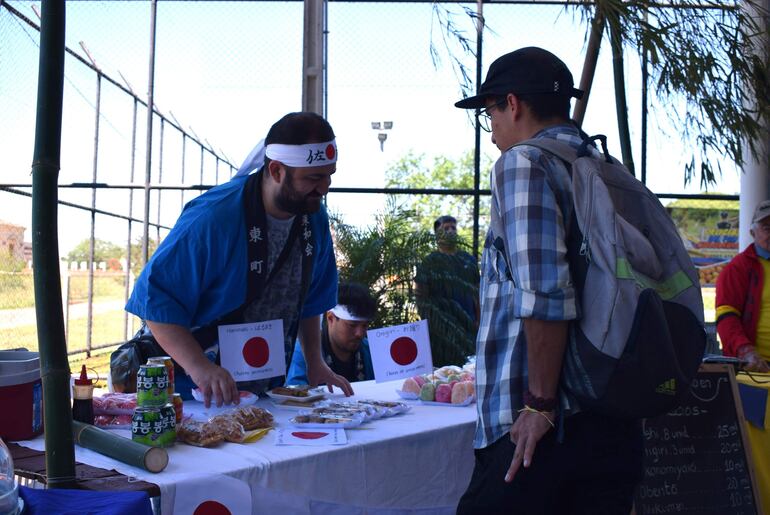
310, 339
546, 342
179, 343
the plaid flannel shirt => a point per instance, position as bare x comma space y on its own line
524, 274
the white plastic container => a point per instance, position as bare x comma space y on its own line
10, 502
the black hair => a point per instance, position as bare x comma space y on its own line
357, 299
298, 129
441, 220
545, 106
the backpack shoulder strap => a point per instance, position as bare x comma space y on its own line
552, 146
565, 152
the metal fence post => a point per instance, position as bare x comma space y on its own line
148, 156
312, 57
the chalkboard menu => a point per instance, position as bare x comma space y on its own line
696, 456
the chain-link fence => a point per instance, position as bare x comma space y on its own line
224, 71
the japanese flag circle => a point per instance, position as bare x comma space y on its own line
330, 151
403, 350
212, 508
256, 352
309, 435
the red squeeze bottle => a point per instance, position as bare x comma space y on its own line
82, 398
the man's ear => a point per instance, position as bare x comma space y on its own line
516, 106
276, 170
329, 317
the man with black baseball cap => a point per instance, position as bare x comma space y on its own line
742, 310
536, 451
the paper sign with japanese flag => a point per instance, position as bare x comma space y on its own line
311, 436
400, 351
212, 495
252, 351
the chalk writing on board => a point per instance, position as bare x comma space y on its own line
694, 458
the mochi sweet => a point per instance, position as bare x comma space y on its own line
471, 387
428, 392
459, 393
410, 385
443, 393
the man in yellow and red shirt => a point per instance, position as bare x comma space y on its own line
743, 298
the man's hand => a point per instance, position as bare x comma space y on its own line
317, 370
546, 341
528, 429
321, 373
215, 383
754, 362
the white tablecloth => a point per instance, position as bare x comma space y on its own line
416, 462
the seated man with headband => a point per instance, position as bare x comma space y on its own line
343, 338
254, 249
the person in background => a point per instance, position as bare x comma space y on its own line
256, 248
447, 295
743, 298
344, 346
537, 452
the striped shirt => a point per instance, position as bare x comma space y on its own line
524, 274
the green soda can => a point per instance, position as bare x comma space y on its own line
168, 413
147, 426
169, 364
152, 386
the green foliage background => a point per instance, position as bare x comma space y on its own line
385, 255
107, 250
103, 250
415, 171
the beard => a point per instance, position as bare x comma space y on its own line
292, 201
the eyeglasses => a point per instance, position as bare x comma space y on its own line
485, 119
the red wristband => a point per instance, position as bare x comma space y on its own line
539, 403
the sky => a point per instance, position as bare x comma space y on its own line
226, 71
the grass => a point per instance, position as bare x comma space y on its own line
19, 289
107, 328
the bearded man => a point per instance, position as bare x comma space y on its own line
254, 249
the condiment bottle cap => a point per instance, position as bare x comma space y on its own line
84, 380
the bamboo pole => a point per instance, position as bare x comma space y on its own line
151, 459
589, 67
477, 131
55, 372
621, 108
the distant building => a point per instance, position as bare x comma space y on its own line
12, 240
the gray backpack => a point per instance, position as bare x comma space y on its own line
640, 337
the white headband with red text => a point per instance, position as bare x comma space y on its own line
291, 155
300, 156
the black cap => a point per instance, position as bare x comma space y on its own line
526, 70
